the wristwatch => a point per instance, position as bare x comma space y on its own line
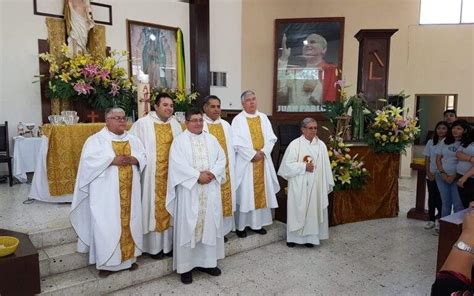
460, 245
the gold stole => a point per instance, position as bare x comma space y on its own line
127, 245
164, 138
258, 142
226, 195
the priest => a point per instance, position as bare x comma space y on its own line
106, 207
219, 128
157, 131
256, 179
306, 167
195, 176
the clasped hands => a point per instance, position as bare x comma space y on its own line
205, 177
122, 160
309, 167
258, 156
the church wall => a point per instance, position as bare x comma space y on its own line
424, 59
225, 49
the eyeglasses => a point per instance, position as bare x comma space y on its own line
196, 120
311, 128
118, 118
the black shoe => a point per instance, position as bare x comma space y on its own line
105, 273
225, 239
159, 256
309, 245
187, 277
169, 254
261, 231
241, 234
133, 267
290, 245
214, 271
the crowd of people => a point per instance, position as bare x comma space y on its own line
168, 191
449, 156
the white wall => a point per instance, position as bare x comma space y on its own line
225, 49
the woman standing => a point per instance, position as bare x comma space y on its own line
434, 198
446, 162
465, 168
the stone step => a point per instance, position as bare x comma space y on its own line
85, 281
53, 237
61, 258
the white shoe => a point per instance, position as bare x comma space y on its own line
430, 225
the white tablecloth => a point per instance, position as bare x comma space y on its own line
25, 155
39, 185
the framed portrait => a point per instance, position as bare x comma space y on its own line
152, 50
308, 57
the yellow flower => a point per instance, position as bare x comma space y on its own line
330, 153
384, 137
65, 77
345, 178
333, 164
347, 156
381, 117
341, 144
377, 135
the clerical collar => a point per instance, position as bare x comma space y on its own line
115, 136
157, 118
209, 120
313, 141
250, 115
193, 135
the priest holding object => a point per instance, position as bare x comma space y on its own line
255, 175
196, 173
306, 167
106, 208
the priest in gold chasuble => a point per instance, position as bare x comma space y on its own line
219, 128
255, 176
106, 210
157, 131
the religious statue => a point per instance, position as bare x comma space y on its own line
359, 106
78, 16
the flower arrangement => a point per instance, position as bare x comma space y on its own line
347, 170
391, 131
183, 99
99, 80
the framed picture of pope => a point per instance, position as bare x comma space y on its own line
308, 59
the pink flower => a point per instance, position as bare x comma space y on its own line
115, 88
90, 70
83, 88
402, 123
103, 74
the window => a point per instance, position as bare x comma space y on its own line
446, 11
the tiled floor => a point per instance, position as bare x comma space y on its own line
379, 257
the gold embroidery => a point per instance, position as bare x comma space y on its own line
56, 36
258, 142
164, 137
226, 195
127, 245
64, 151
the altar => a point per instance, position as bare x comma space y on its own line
58, 160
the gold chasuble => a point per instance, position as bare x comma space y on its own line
164, 138
127, 245
226, 195
258, 142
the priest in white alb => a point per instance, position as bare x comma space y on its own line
106, 209
255, 175
306, 167
157, 130
219, 128
196, 173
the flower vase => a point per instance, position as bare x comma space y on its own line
55, 106
65, 104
